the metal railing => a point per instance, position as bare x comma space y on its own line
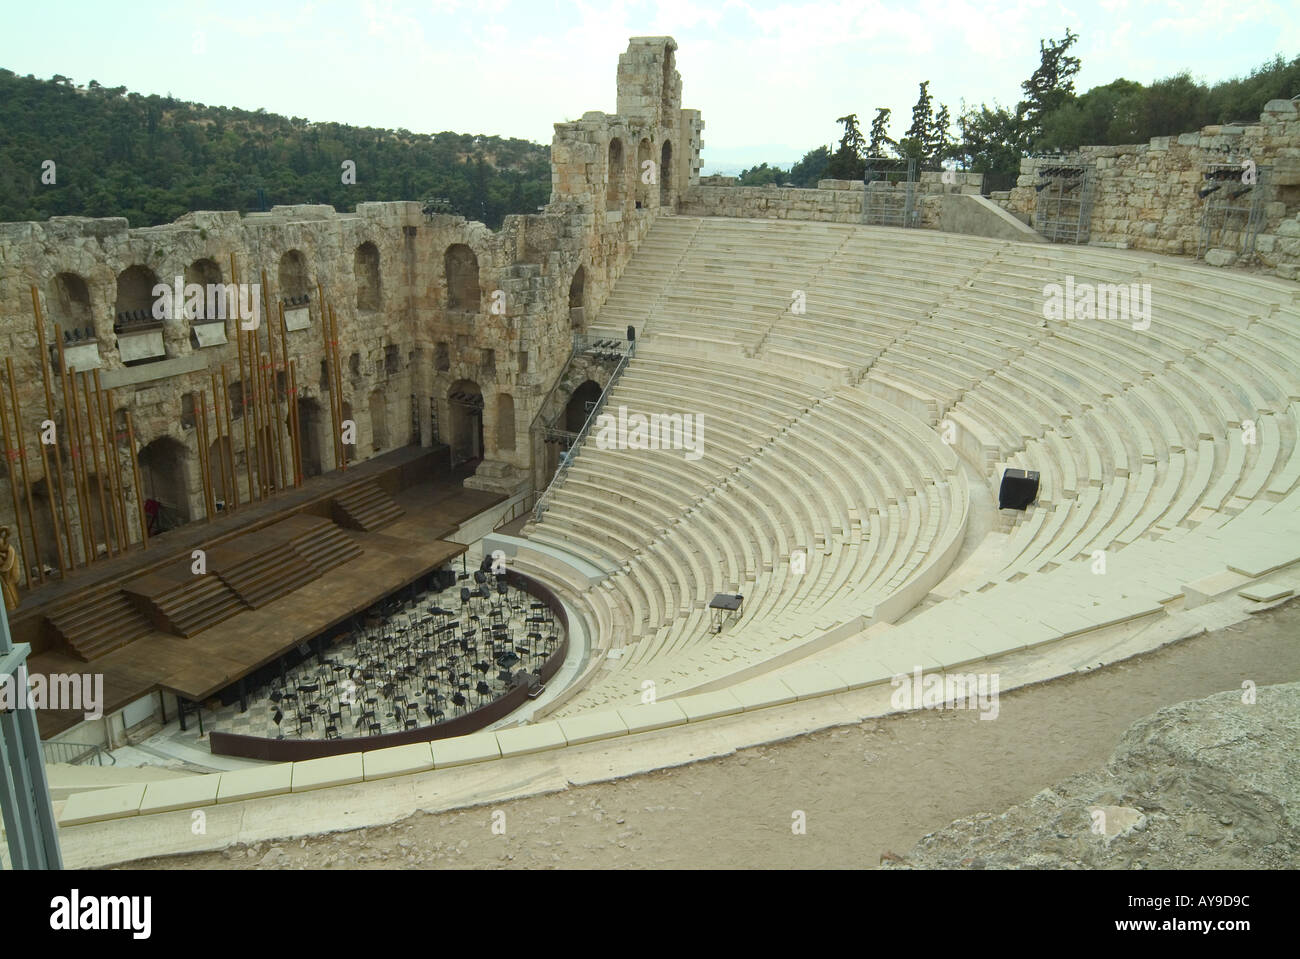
568, 456
547, 400
76, 754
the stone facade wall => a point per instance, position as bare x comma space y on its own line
833, 201
403, 353
1145, 195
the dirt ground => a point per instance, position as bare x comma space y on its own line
862, 790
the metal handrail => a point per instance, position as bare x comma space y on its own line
76, 754
546, 400
567, 458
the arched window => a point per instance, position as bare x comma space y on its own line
140, 334
164, 473
69, 306
135, 294
365, 270
293, 279
461, 266
644, 156
616, 173
666, 174
666, 90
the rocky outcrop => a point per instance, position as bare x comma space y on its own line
1207, 784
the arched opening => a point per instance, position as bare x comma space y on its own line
68, 305
644, 157
614, 171
164, 474
580, 404
505, 422
311, 435
666, 174
577, 300
365, 270
139, 332
207, 318
221, 462
205, 273
379, 420
666, 90
461, 266
466, 402
135, 295
292, 277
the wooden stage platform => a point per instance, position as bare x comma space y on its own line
294, 568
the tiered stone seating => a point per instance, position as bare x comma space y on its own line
825, 432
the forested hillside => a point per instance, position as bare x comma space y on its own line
151, 159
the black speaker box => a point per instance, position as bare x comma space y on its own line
1019, 489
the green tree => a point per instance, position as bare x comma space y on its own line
880, 139
1049, 88
763, 175
811, 168
847, 162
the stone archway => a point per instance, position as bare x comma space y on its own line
644, 158
293, 279
311, 435
465, 400
461, 266
164, 475
365, 271
615, 172
579, 406
69, 306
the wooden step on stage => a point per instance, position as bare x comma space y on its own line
366, 507
242, 573
99, 623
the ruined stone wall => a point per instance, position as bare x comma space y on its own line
1145, 195
427, 305
833, 201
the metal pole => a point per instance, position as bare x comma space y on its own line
295, 423
49, 410
244, 392
139, 489
22, 462
113, 466
94, 456
336, 405
74, 448
201, 438
338, 380
10, 456
230, 442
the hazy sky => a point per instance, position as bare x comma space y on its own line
770, 77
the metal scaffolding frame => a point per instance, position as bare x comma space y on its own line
28, 815
890, 192
1234, 207
1063, 206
